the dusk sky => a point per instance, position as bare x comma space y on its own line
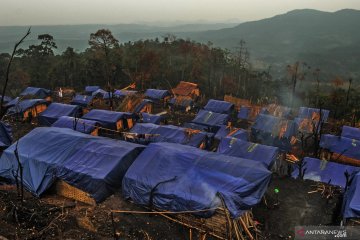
50, 12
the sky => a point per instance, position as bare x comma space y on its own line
53, 12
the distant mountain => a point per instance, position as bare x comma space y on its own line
330, 41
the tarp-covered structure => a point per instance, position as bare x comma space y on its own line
6, 136
172, 134
24, 107
227, 131
176, 177
82, 100
308, 119
186, 89
13, 102
156, 94
109, 119
151, 118
244, 113
351, 202
210, 120
243, 149
144, 106
341, 145
77, 124
57, 110
98, 93
350, 132
313, 113
124, 93
182, 102
90, 89
218, 106
35, 92
325, 171
92, 164
273, 131
6, 99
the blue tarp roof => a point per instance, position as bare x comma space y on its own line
156, 93
108, 95
6, 99
24, 105
6, 136
209, 118
341, 145
183, 178
82, 100
151, 118
350, 132
244, 113
13, 102
325, 171
56, 110
95, 165
267, 128
142, 104
36, 92
78, 124
219, 106
91, 89
305, 112
226, 131
170, 133
243, 149
124, 93
99, 92
351, 203
107, 119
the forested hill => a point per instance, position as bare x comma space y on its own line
330, 41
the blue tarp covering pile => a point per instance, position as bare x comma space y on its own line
254, 151
325, 171
124, 93
350, 132
6, 99
270, 130
170, 133
156, 94
305, 112
95, 165
226, 131
219, 106
36, 92
107, 119
90, 89
6, 137
56, 110
341, 145
151, 118
78, 124
176, 178
82, 100
243, 113
351, 203
24, 105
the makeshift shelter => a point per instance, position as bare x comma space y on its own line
254, 151
273, 131
95, 165
151, 118
350, 132
341, 146
110, 119
244, 113
228, 131
351, 202
56, 110
174, 177
38, 93
124, 93
28, 108
6, 99
169, 133
313, 113
12, 102
90, 89
145, 105
78, 124
211, 119
82, 100
99, 93
325, 171
186, 89
218, 106
156, 94
278, 110
183, 102
6, 137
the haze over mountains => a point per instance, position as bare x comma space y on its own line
330, 41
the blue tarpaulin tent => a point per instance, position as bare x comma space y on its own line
351, 203
12, 102
56, 110
325, 171
95, 165
219, 106
273, 131
226, 131
36, 92
82, 100
142, 104
6, 99
151, 118
6, 137
107, 119
156, 94
341, 145
78, 124
90, 89
350, 132
124, 93
98, 93
209, 118
243, 113
243, 149
305, 112
177, 177
182, 102
24, 105
170, 133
